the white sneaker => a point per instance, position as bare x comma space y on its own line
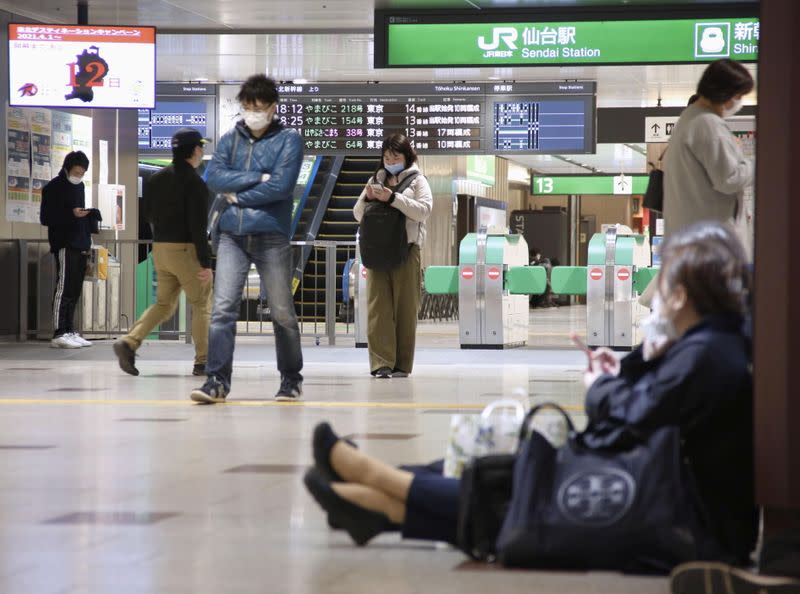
79, 339
64, 341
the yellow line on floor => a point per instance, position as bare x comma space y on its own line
306, 404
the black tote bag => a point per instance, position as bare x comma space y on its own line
578, 508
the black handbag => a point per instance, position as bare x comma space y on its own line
484, 496
654, 194
581, 508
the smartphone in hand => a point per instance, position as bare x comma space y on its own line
376, 187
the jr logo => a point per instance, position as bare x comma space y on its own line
507, 34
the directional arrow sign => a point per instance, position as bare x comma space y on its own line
659, 129
623, 184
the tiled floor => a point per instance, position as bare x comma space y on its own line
119, 484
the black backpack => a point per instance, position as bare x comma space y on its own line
383, 240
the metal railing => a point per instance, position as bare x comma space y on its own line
320, 308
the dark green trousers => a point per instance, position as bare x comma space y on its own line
392, 305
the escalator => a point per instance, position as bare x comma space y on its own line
335, 223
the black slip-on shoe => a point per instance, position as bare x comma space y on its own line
361, 524
199, 369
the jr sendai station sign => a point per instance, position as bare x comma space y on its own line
675, 41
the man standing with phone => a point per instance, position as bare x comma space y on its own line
69, 233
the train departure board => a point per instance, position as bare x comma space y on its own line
454, 118
527, 120
178, 105
156, 126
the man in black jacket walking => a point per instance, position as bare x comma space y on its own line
176, 204
69, 233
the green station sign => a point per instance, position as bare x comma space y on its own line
676, 41
561, 185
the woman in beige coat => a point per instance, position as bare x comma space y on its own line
393, 295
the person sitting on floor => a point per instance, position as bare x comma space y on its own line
699, 380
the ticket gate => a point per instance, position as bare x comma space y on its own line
615, 275
493, 283
612, 302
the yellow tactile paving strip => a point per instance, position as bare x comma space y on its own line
265, 403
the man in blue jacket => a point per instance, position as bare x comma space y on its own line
255, 167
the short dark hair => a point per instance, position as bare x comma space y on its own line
76, 159
258, 88
692, 99
398, 143
183, 152
724, 80
709, 261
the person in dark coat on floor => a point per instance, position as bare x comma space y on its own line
693, 371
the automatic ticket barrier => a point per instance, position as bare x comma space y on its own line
493, 283
615, 275
612, 300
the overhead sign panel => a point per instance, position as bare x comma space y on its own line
564, 185
659, 129
563, 42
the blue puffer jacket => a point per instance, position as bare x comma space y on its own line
237, 167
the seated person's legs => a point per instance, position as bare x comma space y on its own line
365, 496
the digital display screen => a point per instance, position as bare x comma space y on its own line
455, 118
156, 126
77, 66
359, 118
540, 126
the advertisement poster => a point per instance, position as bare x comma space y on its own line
82, 141
81, 66
61, 140
41, 146
18, 166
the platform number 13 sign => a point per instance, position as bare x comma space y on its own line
544, 185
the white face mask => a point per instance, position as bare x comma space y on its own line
74, 179
256, 120
657, 329
733, 109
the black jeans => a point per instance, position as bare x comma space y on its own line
70, 270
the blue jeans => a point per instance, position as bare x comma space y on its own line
272, 256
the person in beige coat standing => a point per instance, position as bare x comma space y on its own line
705, 173
393, 295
